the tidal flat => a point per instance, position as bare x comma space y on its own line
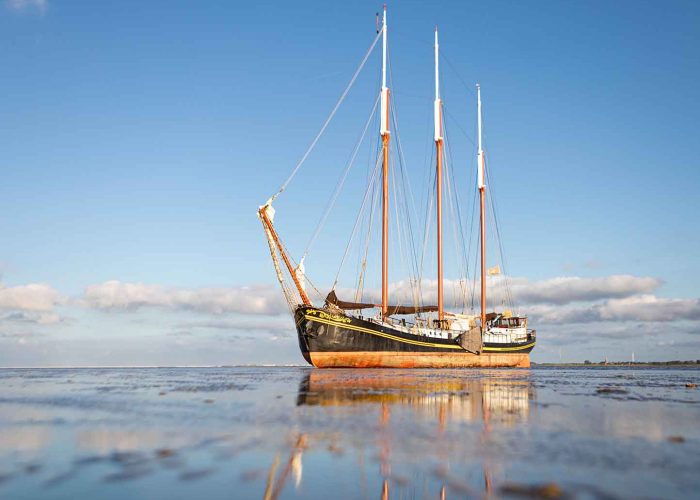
294, 432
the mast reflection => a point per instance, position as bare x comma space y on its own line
435, 399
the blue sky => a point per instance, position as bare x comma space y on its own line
138, 138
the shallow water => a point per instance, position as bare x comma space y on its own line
304, 433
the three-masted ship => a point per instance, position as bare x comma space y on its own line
340, 333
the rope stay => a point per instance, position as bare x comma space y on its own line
406, 196
429, 218
328, 120
443, 55
341, 182
506, 280
472, 212
363, 263
452, 202
357, 219
459, 226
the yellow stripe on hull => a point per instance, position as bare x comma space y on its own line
514, 348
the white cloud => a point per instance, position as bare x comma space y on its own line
650, 308
115, 295
32, 297
589, 313
559, 315
641, 308
564, 290
557, 301
560, 300
39, 6
266, 325
561, 290
563, 300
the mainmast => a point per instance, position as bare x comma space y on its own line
482, 211
384, 132
438, 182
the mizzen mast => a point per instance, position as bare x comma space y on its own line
482, 211
384, 132
438, 179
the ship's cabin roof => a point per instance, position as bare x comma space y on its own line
503, 321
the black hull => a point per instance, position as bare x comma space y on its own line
337, 340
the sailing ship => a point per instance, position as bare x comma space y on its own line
336, 333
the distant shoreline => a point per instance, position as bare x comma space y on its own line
585, 364
590, 364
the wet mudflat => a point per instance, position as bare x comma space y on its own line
304, 433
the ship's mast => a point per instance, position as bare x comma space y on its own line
384, 132
482, 211
438, 180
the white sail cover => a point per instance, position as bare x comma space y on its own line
300, 272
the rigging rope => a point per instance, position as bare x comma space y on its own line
460, 225
492, 197
373, 210
470, 227
454, 68
453, 203
354, 229
428, 216
506, 281
328, 120
475, 195
407, 194
341, 182
399, 237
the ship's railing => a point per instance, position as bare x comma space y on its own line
506, 335
413, 328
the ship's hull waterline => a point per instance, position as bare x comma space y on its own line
330, 340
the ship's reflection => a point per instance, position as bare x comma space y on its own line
447, 396
437, 402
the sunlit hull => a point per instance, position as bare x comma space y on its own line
331, 340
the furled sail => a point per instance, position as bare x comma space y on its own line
411, 309
332, 298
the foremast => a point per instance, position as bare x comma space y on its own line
384, 132
482, 211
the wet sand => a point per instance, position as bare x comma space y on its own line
304, 433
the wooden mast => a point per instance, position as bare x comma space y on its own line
438, 180
384, 132
482, 211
